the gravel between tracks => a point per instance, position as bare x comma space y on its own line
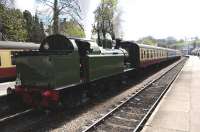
133, 113
75, 119
89, 115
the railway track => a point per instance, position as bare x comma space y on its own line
11, 112
21, 121
132, 113
9, 106
6, 110
5, 105
30, 120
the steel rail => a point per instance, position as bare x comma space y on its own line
96, 123
150, 111
16, 115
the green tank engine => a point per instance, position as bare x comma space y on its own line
61, 63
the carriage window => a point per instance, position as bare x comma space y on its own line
13, 62
141, 53
154, 54
0, 60
150, 53
146, 53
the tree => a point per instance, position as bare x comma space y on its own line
18, 26
29, 23
104, 19
7, 3
149, 40
67, 8
69, 28
37, 33
13, 24
171, 40
34, 27
72, 28
3, 5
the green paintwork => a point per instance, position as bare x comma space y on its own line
50, 71
100, 66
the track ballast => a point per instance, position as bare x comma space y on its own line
133, 112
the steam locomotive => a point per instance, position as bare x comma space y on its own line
62, 63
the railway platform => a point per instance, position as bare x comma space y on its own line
4, 86
179, 110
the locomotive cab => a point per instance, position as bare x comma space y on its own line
97, 63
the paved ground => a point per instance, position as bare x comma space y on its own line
4, 86
179, 110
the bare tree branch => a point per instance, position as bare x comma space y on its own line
67, 8
8, 3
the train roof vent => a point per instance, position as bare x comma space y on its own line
55, 43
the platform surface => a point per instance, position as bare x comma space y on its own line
4, 86
179, 110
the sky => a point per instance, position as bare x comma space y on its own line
158, 18
26, 5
